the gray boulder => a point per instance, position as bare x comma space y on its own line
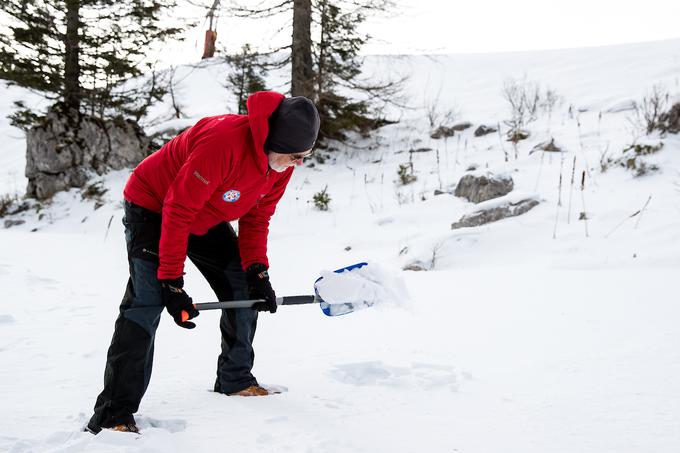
445, 132
59, 157
442, 132
494, 214
461, 126
416, 266
669, 122
485, 187
550, 147
484, 130
9, 223
516, 136
622, 106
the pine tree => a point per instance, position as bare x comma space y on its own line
82, 53
337, 67
247, 77
325, 62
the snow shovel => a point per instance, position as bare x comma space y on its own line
329, 309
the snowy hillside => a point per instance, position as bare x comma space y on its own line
537, 333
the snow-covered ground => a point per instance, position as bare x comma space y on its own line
538, 333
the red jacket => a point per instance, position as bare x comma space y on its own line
215, 171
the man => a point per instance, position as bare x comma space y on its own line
178, 203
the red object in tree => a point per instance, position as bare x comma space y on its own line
209, 45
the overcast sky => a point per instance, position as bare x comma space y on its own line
441, 26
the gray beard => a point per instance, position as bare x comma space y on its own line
276, 168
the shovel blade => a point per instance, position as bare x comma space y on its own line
342, 308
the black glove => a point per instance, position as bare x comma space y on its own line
178, 303
260, 288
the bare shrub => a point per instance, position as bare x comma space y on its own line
11, 204
437, 115
550, 100
647, 113
406, 174
632, 158
6, 204
435, 253
95, 192
523, 98
605, 160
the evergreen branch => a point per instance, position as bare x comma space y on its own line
259, 12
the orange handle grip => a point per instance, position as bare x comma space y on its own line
185, 315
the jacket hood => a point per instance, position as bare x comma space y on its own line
261, 105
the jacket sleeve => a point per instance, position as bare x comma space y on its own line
253, 227
198, 178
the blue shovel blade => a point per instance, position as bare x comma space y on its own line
342, 308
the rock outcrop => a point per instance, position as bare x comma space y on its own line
481, 217
442, 132
484, 130
669, 122
484, 187
60, 156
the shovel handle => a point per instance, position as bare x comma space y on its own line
286, 300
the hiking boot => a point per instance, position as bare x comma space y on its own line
253, 390
125, 428
130, 427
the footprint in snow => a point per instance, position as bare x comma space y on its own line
429, 375
6, 319
171, 425
376, 373
265, 438
274, 388
278, 419
337, 403
56, 442
34, 281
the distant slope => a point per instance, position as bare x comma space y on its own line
592, 78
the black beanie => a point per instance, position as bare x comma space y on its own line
293, 126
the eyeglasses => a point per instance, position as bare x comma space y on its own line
295, 158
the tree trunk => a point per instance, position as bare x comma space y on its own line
72, 95
321, 60
302, 70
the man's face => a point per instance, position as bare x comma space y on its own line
280, 162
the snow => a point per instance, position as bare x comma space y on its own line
513, 341
13, 154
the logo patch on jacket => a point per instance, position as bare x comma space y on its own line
231, 196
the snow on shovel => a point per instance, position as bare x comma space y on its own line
340, 297
359, 286
339, 292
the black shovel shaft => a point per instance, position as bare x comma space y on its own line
286, 300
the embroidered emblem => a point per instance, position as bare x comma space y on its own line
231, 196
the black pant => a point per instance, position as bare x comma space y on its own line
130, 356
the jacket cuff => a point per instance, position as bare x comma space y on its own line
174, 282
257, 270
